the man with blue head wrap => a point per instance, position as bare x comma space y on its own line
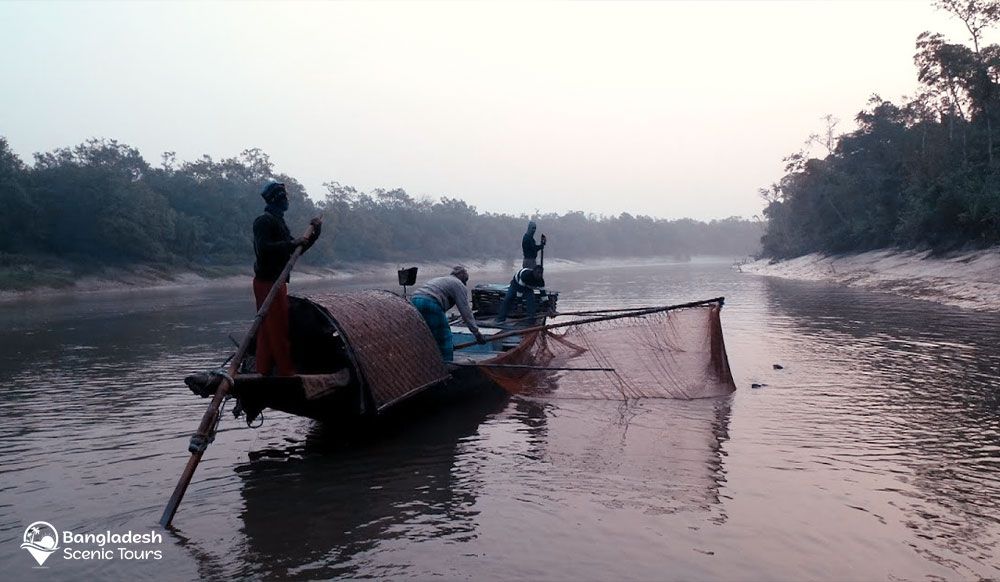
273, 245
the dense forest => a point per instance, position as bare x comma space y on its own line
924, 173
101, 203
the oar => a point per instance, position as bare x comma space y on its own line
648, 311
206, 430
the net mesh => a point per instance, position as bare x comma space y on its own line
670, 354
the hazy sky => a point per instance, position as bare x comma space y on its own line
668, 109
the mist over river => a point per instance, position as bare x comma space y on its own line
874, 454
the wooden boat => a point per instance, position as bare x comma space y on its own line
360, 354
487, 299
368, 356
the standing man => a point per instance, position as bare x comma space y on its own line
529, 247
524, 282
438, 295
273, 245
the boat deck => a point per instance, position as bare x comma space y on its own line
480, 352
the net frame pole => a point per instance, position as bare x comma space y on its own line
506, 334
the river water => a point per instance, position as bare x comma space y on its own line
874, 454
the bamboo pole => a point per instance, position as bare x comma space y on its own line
582, 312
600, 311
206, 429
561, 313
528, 367
648, 311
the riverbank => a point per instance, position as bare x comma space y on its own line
970, 280
54, 279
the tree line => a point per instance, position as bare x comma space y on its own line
923, 173
101, 203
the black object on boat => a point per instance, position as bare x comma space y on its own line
407, 278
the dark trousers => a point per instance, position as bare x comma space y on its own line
508, 300
274, 347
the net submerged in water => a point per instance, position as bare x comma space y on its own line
666, 354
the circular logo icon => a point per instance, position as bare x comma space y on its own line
41, 539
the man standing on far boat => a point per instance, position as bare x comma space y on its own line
273, 245
527, 279
529, 247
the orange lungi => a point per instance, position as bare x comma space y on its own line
274, 347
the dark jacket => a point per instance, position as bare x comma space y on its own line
272, 243
529, 246
529, 278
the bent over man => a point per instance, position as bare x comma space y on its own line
273, 245
438, 295
524, 283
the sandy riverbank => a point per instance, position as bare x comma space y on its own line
970, 279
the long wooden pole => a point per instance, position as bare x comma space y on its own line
649, 311
528, 367
602, 311
206, 430
585, 312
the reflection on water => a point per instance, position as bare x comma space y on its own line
872, 454
410, 484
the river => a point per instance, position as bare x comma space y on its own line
872, 454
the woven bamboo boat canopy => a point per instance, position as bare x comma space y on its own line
391, 347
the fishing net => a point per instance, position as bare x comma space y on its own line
668, 354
